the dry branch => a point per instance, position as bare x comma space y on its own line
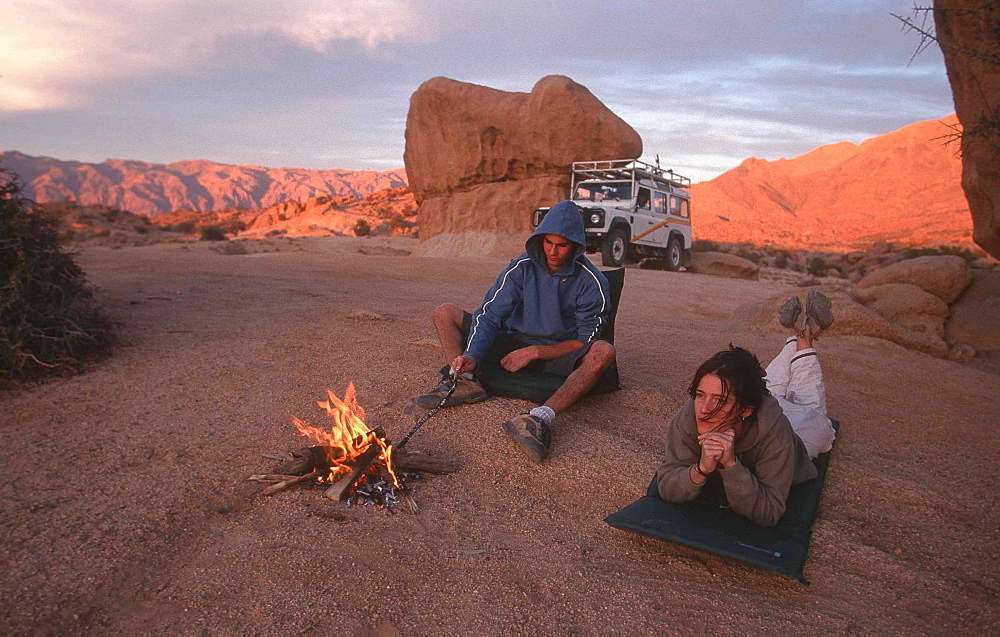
281, 486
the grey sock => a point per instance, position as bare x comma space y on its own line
546, 414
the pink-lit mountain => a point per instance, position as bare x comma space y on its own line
902, 186
153, 189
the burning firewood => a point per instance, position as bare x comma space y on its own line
343, 485
358, 463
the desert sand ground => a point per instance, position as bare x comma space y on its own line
125, 506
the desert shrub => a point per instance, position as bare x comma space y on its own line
49, 323
234, 227
361, 228
750, 255
817, 266
187, 227
276, 232
781, 261
912, 253
704, 245
212, 233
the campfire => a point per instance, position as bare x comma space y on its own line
357, 464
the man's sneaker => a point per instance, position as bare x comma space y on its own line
467, 391
790, 311
531, 434
818, 309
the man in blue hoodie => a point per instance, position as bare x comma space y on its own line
546, 312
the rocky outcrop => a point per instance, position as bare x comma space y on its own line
851, 318
199, 185
722, 264
907, 305
967, 32
943, 276
901, 187
480, 160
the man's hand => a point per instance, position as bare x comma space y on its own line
718, 446
463, 364
517, 359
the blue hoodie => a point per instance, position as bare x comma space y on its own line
539, 307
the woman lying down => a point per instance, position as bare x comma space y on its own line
746, 436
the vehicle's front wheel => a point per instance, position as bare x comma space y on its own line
674, 256
613, 248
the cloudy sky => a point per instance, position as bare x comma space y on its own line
326, 83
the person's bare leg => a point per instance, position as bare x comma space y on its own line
448, 323
593, 363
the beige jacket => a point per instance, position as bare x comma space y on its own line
770, 458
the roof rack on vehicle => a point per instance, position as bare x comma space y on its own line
624, 169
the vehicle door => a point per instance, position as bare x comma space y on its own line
679, 214
643, 220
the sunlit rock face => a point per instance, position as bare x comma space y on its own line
967, 31
479, 159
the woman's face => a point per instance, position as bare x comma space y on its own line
707, 398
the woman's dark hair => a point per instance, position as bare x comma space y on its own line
741, 375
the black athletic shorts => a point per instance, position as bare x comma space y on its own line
504, 344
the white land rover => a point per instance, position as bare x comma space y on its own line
632, 209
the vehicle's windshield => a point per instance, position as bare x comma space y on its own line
607, 191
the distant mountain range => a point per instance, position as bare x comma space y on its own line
902, 186
201, 185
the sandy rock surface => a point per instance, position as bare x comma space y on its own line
125, 508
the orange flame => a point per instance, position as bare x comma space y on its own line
348, 436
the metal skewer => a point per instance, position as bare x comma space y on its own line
427, 416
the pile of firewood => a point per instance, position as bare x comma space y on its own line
366, 481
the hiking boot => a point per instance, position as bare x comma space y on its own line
790, 311
467, 391
531, 434
818, 309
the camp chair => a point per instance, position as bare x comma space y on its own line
539, 386
707, 526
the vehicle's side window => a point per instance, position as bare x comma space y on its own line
675, 205
659, 203
642, 201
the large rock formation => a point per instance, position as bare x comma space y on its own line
153, 189
903, 186
480, 160
969, 34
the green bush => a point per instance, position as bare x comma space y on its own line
49, 323
212, 233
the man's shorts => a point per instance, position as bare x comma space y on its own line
504, 344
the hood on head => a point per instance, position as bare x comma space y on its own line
564, 220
